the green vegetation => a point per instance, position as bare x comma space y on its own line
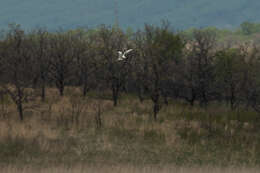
247, 31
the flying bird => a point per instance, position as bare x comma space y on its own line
122, 55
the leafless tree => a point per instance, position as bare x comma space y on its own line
230, 67
200, 76
159, 50
250, 78
189, 80
40, 51
85, 54
17, 67
61, 59
112, 40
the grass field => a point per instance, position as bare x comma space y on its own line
66, 131
129, 169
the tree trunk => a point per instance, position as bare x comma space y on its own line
140, 94
43, 87
20, 110
156, 105
156, 93
61, 89
192, 99
60, 83
85, 85
43, 92
60, 86
115, 89
115, 96
34, 82
232, 99
98, 118
85, 90
166, 100
19, 103
156, 109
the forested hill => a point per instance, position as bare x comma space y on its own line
132, 13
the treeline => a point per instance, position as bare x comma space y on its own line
245, 32
163, 65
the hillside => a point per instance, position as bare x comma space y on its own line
182, 14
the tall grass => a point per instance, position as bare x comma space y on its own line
65, 131
127, 169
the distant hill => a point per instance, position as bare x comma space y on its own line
132, 13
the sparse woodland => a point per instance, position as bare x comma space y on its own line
66, 98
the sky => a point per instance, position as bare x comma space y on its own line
69, 14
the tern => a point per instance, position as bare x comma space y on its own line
122, 55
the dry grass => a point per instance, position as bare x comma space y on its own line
128, 169
64, 131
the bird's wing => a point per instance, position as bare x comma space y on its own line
120, 53
126, 52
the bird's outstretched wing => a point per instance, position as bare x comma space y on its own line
126, 52
122, 55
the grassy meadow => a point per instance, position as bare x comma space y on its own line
64, 134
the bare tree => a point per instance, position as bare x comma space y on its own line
229, 75
17, 67
61, 59
250, 87
159, 50
200, 65
40, 51
85, 54
189, 80
115, 72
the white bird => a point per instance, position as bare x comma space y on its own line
122, 55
